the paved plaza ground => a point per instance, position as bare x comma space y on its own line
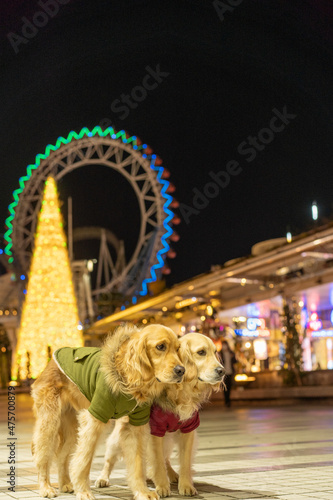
249, 452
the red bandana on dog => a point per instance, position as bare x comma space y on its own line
164, 421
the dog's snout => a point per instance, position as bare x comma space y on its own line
220, 371
179, 370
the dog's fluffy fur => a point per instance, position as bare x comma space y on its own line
203, 375
132, 364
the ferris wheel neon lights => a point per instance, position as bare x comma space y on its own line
168, 233
133, 147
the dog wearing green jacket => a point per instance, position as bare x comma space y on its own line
81, 389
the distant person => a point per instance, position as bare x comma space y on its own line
228, 361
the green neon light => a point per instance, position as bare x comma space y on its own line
121, 134
49, 148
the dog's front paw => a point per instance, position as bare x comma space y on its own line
186, 489
163, 490
101, 482
47, 491
67, 488
85, 495
146, 495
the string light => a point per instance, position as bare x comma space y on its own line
49, 316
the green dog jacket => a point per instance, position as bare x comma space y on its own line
82, 366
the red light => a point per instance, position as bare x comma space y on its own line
315, 323
314, 316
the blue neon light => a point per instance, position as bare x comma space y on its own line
166, 246
244, 332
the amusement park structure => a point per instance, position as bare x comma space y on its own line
148, 178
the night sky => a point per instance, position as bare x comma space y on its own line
225, 73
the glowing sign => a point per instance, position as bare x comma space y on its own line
315, 323
254, 323
322, 333
245, 332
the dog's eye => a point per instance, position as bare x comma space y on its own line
202, 352
161, 347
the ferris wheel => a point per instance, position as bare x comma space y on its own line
147, 177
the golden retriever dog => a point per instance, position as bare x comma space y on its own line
203, 375
133, 368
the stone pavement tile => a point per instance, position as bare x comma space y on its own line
244, 495
64, 496
103, 497
233, 494
23, 494
235, 490
118, 494
322, 495
296, 497
297, 492
207, 496
328, 495
315, 487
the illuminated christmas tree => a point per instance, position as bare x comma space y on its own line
49, 317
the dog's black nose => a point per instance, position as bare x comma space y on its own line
220, 371
179, 370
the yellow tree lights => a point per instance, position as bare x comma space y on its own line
49, 316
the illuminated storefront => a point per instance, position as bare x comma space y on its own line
256, 331
242, 301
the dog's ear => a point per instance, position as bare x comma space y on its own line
186, 356
141, 368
